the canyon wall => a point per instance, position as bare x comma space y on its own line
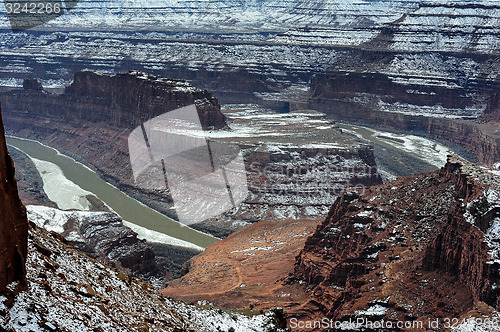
13, 225
480, 138
121, 100
426, 72
102, 236
492, 111
425, 238
92, 123
301, 182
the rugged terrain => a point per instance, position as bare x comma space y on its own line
290, 158
404, 65
99, 137
417, 249
433, 65
46, 284
222, 15
246, 270
102, 235
68, 291
432, 233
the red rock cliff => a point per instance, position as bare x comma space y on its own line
144, 96
421, 247
492, 111
13, 223
122, 100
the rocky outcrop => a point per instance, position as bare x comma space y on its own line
136, 97
492, 111
425, 72
102, 236
68, 291
32, 84
429, 238
13, 225
298, 182
477, 137
121, 100
339, 85
92, 124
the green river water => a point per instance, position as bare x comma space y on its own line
128, 208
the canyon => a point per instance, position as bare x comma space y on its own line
102, 236
46, 284
429, 72
405, 66
281, 157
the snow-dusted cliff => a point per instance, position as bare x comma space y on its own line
227, 14
68, 291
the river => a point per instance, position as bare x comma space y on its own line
401, 154
128, 208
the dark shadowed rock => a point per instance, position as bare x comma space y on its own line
121, 100
32, 84
136, 97
13, 223
492, 111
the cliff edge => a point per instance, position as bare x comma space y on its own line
13, 225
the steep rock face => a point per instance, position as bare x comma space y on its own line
449, 26
13, 224
481, 139
341, 85
68, 291
114, 100
140, 97
93, 123
299, 181
296, 164
430, 237
492, 111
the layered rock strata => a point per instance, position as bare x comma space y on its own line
423, 72
121, 100
94, 130
92, 122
